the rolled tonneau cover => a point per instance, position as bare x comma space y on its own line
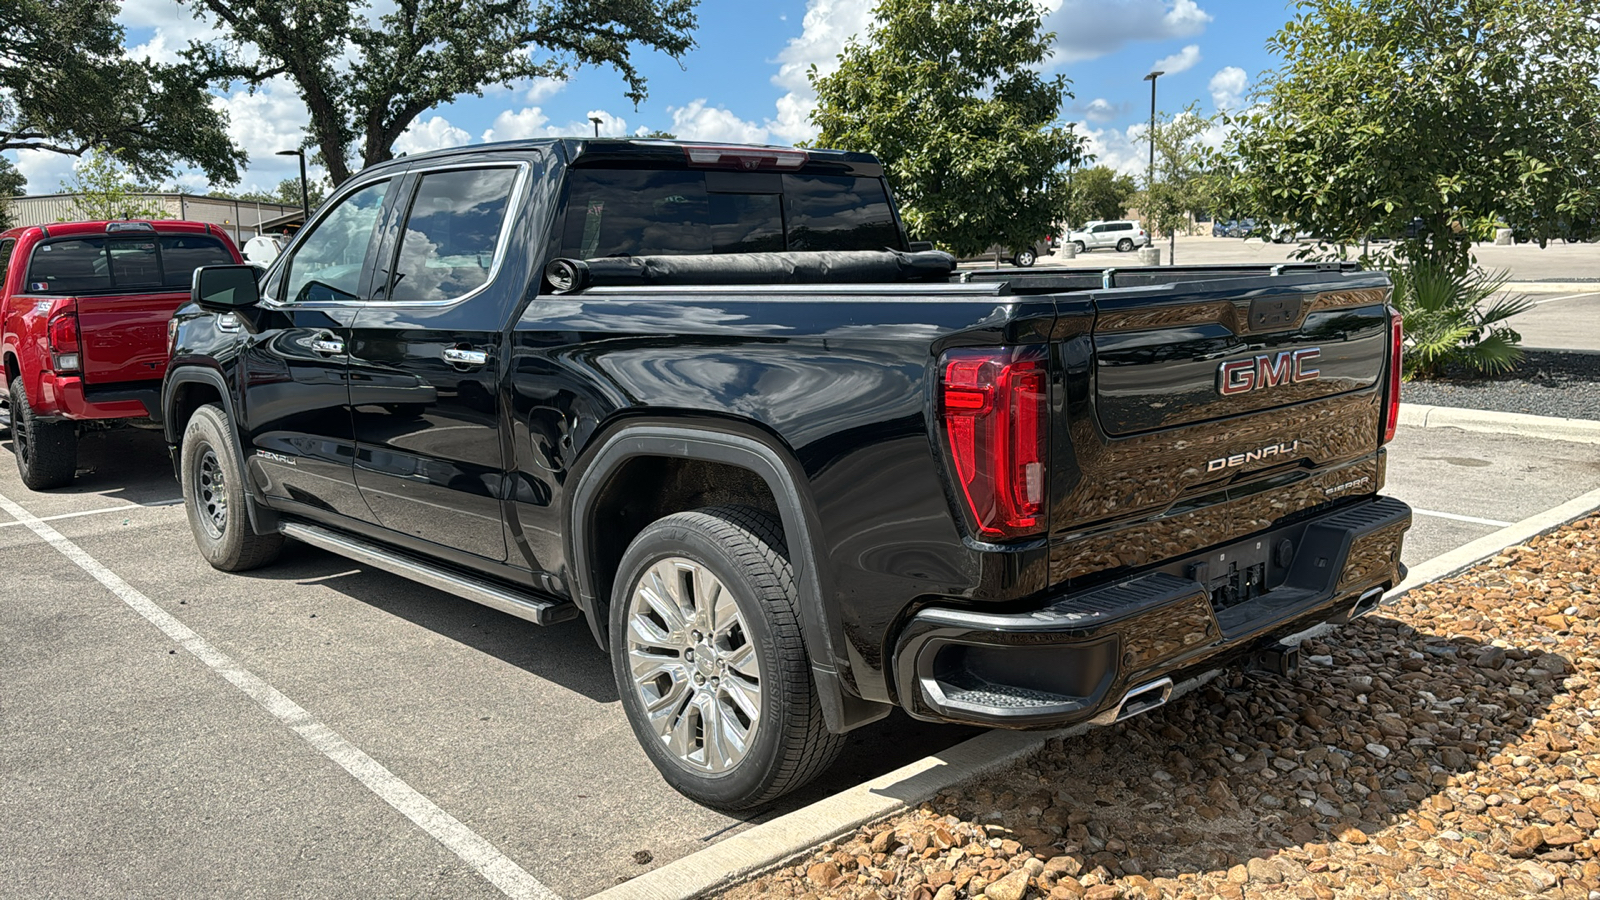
797, 267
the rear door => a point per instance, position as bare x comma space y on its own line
426, 358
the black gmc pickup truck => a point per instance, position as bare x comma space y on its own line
792, 473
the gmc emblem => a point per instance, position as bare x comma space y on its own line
1242, 376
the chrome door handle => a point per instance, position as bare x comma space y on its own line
327, 346
459, 357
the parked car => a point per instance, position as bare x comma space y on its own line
84, 307
1123, 235
791, 491
1024, 257
1221, 228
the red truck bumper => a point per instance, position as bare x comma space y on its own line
67, 397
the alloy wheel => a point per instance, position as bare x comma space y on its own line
694, 666
212, 485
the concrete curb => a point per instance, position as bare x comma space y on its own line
1583, 431
1551, 287
1468, 555
797, 833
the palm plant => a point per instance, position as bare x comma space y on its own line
1454, 316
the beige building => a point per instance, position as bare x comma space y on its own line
243, 219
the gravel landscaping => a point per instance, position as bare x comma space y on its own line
1444, 747
1545, 383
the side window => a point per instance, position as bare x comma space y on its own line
327, 262
181, 254
1099, 229
452, 234
6, 246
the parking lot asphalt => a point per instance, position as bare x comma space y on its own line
137, 768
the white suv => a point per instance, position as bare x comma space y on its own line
1124, 235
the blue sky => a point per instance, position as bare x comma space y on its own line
745, 81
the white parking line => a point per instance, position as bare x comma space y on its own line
1565, 297
484, 857
1459, 518
94, 512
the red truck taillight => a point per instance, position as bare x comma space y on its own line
993, 402
1391, 402
62, 332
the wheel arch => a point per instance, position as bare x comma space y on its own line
185, 390
746, 450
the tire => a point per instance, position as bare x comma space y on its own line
785, 743
213, 495
1124, 245
1080, 246
1024, 258
46, 451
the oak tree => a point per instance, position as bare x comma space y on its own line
365, 78
68, 86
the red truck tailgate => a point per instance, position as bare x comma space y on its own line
124, 338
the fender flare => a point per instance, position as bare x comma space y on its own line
841, 709
262, 519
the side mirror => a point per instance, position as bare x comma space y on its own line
225, 287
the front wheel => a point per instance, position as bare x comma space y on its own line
213, 496
707, 653
1024, 258
1079, 245
46, 450
1125, 245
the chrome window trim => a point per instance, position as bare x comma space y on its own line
513, 210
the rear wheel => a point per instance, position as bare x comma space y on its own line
707, 653
46, 451
1124, 245
213, 496
1024, 258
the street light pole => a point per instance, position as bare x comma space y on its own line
305, 199
596, 120
1150, 176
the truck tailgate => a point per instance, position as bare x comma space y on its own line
1211, 410
124, 337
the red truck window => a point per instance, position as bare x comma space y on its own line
138, 264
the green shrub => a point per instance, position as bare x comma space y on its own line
1455, 317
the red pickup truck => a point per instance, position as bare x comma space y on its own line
83, 327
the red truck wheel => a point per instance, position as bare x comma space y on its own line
46, 451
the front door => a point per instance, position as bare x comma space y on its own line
426, 361
296, 365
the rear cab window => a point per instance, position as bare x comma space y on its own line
654, 212
135, 264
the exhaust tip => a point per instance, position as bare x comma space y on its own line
1137, 701
1367, 602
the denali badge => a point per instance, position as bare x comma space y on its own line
1239, 459
1289, 367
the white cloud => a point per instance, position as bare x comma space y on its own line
826, 29
1100, 110
1228, 87
699, 122
518, 125
1182, 61
543, 89
435, 133
1124, 150
1086, 29
45, 171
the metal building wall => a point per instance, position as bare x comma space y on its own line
239, 217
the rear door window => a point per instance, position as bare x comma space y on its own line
635, 212
452, 234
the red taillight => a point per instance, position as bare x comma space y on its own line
993, 406
1391, 405
749, 158
62, 332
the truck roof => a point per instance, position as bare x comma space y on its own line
101, 226
662, 153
